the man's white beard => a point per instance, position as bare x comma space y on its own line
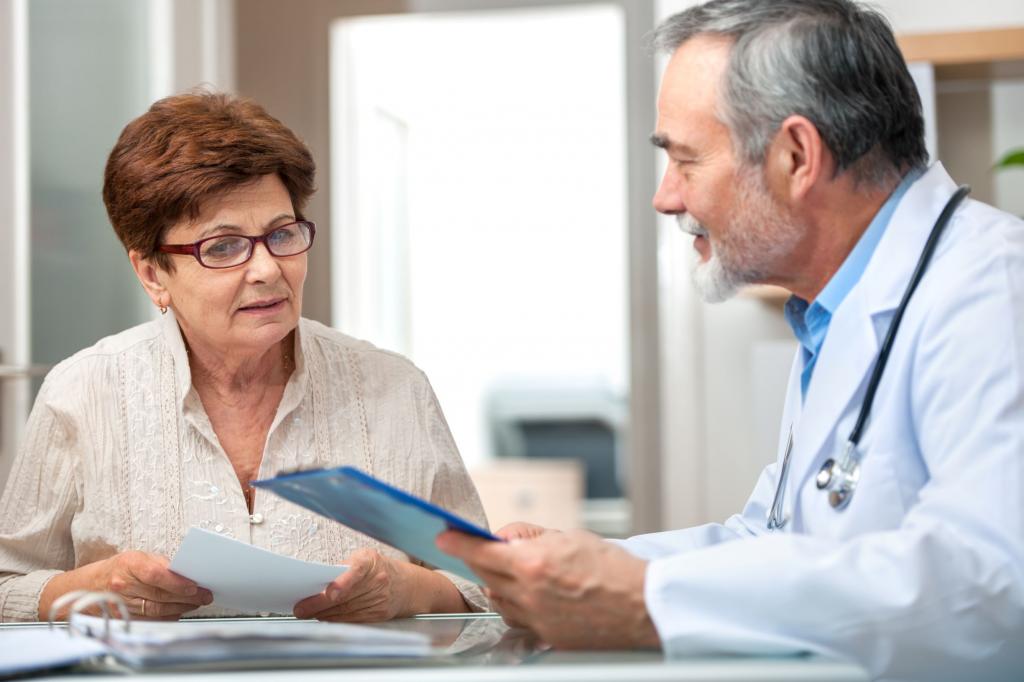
758, 238
713, 281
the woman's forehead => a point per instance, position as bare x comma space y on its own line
254, 205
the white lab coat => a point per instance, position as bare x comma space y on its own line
922, 576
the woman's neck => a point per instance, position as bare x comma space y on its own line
232, 376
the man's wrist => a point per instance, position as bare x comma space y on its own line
646, 633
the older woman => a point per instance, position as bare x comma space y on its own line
161, 427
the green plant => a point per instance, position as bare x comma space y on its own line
1014, 157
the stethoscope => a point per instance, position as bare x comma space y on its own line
840, 478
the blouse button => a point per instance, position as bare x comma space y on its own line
256, 519
219, 527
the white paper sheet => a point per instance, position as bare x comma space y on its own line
24, 651
248, 578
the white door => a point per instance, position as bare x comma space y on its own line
482, 220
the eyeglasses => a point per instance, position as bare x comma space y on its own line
229, 250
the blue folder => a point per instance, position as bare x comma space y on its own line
377, 509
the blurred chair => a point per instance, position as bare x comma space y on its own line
546, 492
547, 420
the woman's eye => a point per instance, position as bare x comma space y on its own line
222, 248
285, 235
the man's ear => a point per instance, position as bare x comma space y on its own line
796, 159
150, 276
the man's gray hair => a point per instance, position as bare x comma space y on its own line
834, 62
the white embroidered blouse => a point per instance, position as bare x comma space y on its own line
119, 454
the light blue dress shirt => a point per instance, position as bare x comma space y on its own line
810, 320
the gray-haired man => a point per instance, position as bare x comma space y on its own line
796, 157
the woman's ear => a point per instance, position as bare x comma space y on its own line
151, 278
796, 158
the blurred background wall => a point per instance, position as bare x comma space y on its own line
484, 203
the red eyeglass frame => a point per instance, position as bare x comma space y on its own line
193, 248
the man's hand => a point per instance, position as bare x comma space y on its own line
573, 589
520, 530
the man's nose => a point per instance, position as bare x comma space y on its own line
668, 199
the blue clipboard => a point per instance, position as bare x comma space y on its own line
379, 510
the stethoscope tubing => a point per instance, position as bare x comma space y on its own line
890, 336
842, 477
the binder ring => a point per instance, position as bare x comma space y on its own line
83, 599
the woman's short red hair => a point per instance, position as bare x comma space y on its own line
189, 148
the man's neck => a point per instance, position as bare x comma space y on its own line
836, 217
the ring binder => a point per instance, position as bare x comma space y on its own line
113, 641
80, 600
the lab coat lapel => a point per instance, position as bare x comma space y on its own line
861, 321
846, 358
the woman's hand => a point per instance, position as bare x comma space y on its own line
151, 590
148, 587
376, 588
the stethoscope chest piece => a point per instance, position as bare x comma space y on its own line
824, 476
840, 481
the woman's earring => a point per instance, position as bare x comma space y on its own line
163, 309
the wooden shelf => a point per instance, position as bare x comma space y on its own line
964, 47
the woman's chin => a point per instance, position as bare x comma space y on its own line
260, 330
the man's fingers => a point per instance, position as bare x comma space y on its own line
512, 615
483, 556
520, 530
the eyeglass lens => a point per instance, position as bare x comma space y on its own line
223, 252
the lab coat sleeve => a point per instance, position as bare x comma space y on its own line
747, 524
944, 590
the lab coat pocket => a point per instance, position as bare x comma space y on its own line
876, 505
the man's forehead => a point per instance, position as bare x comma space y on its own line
694, 72
688, 100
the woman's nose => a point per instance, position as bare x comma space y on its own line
263, 265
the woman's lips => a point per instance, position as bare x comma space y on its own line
267, 308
